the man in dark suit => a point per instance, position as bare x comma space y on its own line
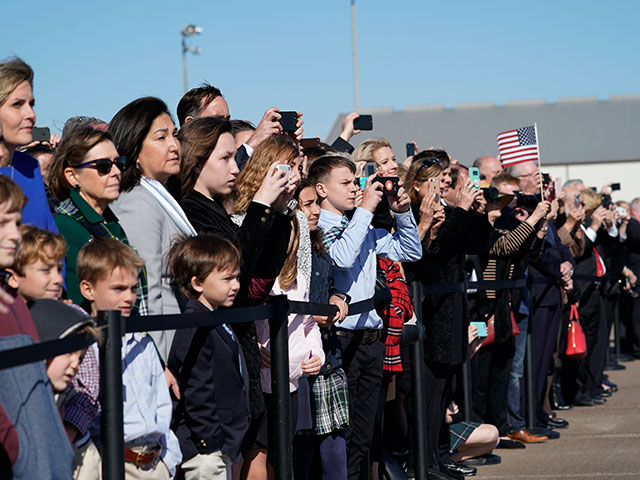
633, 263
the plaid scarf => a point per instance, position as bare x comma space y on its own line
101, 230
335, 232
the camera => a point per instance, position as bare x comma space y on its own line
389, 185
527, 201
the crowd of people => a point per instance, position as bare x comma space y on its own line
144, 216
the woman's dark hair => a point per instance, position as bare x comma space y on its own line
70, 153
316, 237
129, 127
198, 138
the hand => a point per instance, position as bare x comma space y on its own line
438, 220
553, 211
606, 189
427, 210
343, 308
372, 194
401, 202
480, 203
466, 196
565, 270
541, 211
265, 357
575, 217
359, 195
299, 128
597, 218
274, 183
172, 382
347, 127
312, 366
268, 126
629, 275
609, 218
6, 299
409, 160
567, 285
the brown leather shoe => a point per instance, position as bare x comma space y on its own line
526, 437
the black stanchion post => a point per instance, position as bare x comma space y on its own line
466, 389
280, 421
418, 394
616, 326
528, 377
111, 420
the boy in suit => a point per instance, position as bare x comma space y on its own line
212, 416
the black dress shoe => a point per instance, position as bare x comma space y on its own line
486, 459
557, 423
439, 475
583, 400
458, 468
598, 400
614, 366
550, 434
611, 385
510, 444
604, 393
625, 357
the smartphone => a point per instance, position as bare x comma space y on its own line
41, 134
615, 187
482, 329
288, 121
389, 185
411, 150
310, 142
577, 201
287, 171
363, 122
606, 201
546, 179
474, 177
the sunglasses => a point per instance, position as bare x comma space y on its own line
104, 165
428, 162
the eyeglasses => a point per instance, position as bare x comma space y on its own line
104, 165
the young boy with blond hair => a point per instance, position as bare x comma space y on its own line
108, 279
37, 270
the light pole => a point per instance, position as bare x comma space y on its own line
188, 31
356, 89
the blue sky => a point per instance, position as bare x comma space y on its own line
92, 58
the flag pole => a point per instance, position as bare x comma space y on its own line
535, 129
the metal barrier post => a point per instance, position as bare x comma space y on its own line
616, 326
528, 376
279, 420
111, 420
466, 389
418, 394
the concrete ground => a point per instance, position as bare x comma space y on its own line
602, 442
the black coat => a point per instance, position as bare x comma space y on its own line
263, 239
213, 412
445, 316
632, 245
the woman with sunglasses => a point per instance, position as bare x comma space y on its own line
143, 131
85, 177
18, 118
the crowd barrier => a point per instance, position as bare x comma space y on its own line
276, 311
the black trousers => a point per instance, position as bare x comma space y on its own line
490, 370
363, 366
635, 326
546, 323
439, 380
596, 333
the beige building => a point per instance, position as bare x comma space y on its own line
595, 140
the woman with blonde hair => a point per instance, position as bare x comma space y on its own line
18, 118
376, 150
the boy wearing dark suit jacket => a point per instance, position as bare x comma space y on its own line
212, 416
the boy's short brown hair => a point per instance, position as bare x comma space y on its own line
199, 256
101, 256
321, 169
38, 244
12, 193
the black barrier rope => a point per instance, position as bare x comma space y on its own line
42, 351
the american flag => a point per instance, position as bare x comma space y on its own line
517, 146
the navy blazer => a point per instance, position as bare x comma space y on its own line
213, 413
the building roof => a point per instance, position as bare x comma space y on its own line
571, 130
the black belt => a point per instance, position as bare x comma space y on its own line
365, 337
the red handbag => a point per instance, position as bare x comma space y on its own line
576, 341
491, 329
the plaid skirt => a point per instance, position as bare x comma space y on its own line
330, 404
459, 432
